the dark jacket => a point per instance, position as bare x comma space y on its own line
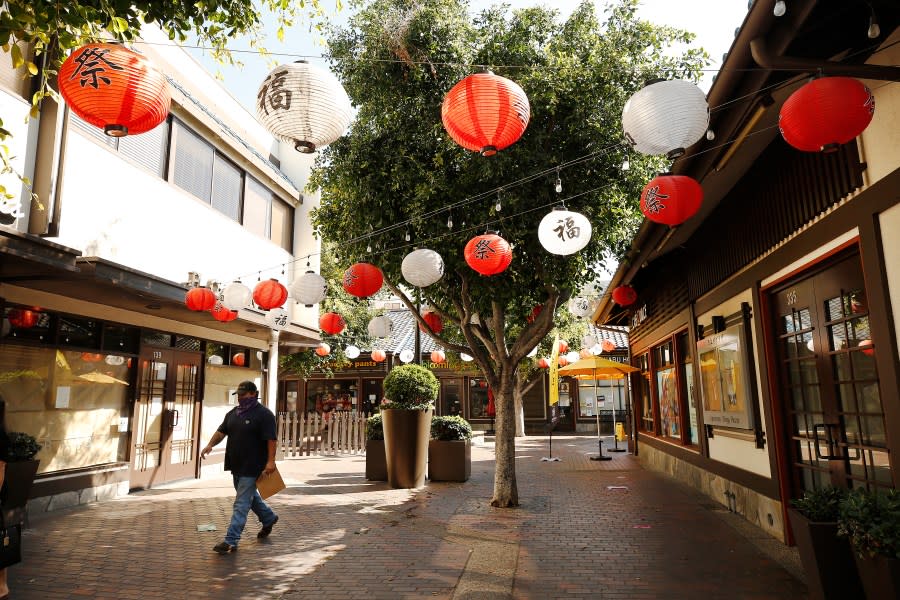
247, 451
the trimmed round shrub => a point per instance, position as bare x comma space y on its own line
374, 427
411, 387
450, 429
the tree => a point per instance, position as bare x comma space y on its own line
398, 171
38, 34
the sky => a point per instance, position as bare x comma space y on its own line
714, 22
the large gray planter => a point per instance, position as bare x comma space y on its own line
376, 465
449, 460
406, 434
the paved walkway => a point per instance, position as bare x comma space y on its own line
587, 529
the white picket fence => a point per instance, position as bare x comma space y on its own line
311, 434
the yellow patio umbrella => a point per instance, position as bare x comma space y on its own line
97, 377
597, 367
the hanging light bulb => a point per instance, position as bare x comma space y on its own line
626, 165
407, 235
710, 134
780, 8
450, 221
369, 248
499, 206
558, 186
874, 30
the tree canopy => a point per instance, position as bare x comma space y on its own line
397, 170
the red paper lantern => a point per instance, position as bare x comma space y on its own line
671, 199
563, 346
239, 360
543, 363
269, 294
363, 280
607, 345
535, 312
223, 314
488, 254
114, 88
22, 319
438, 356
584, 353
378, 355
867, 348
331, 323
563, 361
200, 298
91, 357
491, 407
624, 295
486, 113
434, 321
825, 113
323, 349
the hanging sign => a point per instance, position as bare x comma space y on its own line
554, 372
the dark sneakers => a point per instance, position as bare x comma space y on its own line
224, 548
267, 529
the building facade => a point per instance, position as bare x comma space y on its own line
766, 326
100, 359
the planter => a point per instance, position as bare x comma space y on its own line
376, 465
406, 434
449, 461
827, 559
880, 577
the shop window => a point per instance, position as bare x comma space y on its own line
451, 397
607, 395
330, 395
478, 398
192, 162
74, 402
74, 331
287, 400
26, 324
666, 381
686, 369
646, 396
156, 338
257, 208
191, 344
282, 225
118, 338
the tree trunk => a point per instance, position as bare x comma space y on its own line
506, 492
520, 412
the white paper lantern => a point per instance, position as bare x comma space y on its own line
564, 232
308, 289
465, 357
278, 318
533, 352
581, 308
406, 356
475, 319
572, 356
422, 267
114, 360
596, 349
351, 352
380, 327
665, 117
589, 341
215, 359
236, 296
304, 105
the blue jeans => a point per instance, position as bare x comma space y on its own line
246, 499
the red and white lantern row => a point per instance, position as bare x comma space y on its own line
665, 117
624, 295
323, 349
303, 105
269, 294
485, 113
362, 280
543, 363
200, 299
826, 113
438, 357
222, 313
309, 289
422, 267
114, 88
278, 318
332, 323
607, 345
581, 307
488, 254
564, 232
351, 352
380, 327
236, 296
378, 355
671, 199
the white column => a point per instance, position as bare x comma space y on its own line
272, 373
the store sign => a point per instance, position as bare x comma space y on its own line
639, 316
724, 379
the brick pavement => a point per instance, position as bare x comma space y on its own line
607, 530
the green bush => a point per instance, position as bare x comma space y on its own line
412, 387
821, 505
448, 429
22, 446
374, 427
871, 519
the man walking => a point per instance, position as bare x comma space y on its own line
250, 451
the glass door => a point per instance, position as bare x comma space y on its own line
165, 417
830, 390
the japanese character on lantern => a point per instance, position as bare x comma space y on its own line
90, 67
566, 229
272, 90
653, 200
483, 248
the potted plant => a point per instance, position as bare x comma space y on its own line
824, 555
376, 466
450, 450
871, 520
410, 392
19, 478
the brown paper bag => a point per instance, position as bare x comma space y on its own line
270, 484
